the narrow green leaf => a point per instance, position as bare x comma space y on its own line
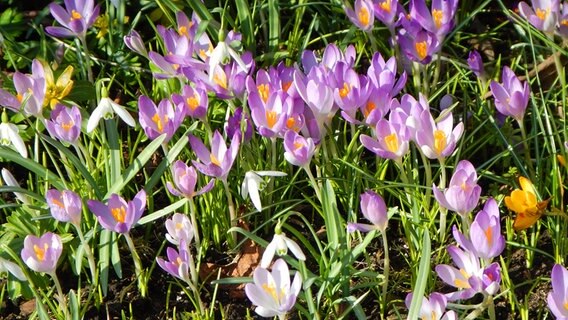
423, 275
273, 25
104, 259
160, 213
247, 30
113, 141
39, 170
73, 305
115, 255
136, 165
199, 7
333, 225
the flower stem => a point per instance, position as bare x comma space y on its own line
232, 215
87, 58
313, 182
62, 302
385, 271
527, 150
137, 265
308, 292
89, 252
443, 211
194, 223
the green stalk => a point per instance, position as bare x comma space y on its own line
308, 292
194, 223
137, 265
313, 182
386, 269
443, 211
89, 252
62, 302
83, 40
527, 150
232, 215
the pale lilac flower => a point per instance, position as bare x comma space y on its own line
162, 119
9, 180
433, 308
351, 90
440, 21
178, 262
467, 277
491, 279
30, 92
298, 150
270, 117
65, 206
12, 268
419, 46
485, 232
544, 16
437, 140
179, 229
463, 192
391, 142
271, 292
559, 295
76, 18
41, 254
106, 109
475, 64
387, 11
185, 179
280, 245
362, 15
374, 209
252, 182
119, 215
193, 100
65, 123
217, 162
511, 97
9, 136
135, 43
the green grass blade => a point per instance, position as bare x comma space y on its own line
273, 26
246, 26
39, 170
423, 275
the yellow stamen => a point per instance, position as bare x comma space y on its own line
542, 14
179, 226
565, 305
421, 49
20, 98
40, 252
298, 145
220, 79
286, 86
439, 141
564, 22
183, 31
363, 15
489, 235
58, 203
119, 214
75, 15
392, 142
263, 91
291, 124
343, 92
67, 125
271, 290
437, 16
369, 107
214, 160
192, 102
160, 122
271, 118
385, 6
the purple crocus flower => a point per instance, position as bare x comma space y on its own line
511, 97
65, 206
467, 277
271, 292
433, 308
418, 46
387, 11
185, 179
475, 64
135, 43
491, 279
30, 91
163, 119
544, 16
485, 232
563, 22
374, 209
298, 150
463, 192
65, 123
193, 100
179, 229
41, 254
362, 15
76, 18
217, 162
440, 21
391, 142
178, 262
270, 117
239, 122
437, 140
559, 295
351, 90
119, 215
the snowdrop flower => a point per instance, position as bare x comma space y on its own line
251, 185
9, 136
9, 180
106, 109
280, 245
12, 268
271, 292
221, 52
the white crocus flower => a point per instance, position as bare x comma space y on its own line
9, 180
106, 109
251, 185
280, 245
9, 136
220, 54
14, 269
